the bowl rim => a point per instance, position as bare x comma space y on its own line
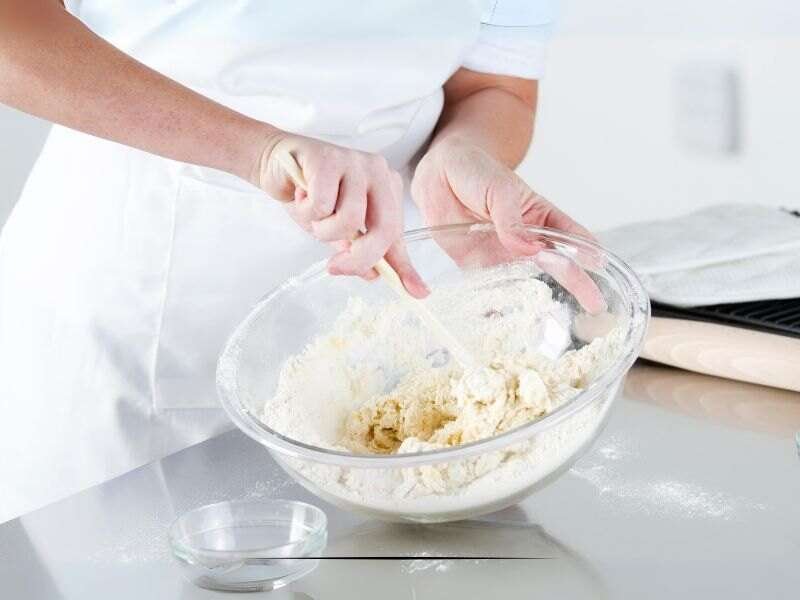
190, 552
638, 310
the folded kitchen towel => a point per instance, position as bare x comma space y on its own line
717, 255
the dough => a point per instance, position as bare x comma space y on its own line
435, 408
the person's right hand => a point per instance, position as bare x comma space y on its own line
354, 201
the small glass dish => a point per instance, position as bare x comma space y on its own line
248, 545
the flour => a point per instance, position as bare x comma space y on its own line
378, 383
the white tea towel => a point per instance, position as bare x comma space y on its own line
721, 254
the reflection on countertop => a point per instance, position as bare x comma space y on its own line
730, 403
494, 553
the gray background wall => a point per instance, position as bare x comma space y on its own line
649, 109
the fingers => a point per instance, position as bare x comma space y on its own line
510, 218
505, 207
544, 213
541, 212
519, 241
322, 194
383, 228
564, 270
383, 221
573, 279
398, 258
291, 208
354, 200
342, 247
349, 216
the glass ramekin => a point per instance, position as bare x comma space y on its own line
248, 545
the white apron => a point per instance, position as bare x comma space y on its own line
121, 273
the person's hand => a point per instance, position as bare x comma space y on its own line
354, 201
457, 182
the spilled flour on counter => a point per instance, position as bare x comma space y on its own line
378, 383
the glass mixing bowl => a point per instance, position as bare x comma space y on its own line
463, 481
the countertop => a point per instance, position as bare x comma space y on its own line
691, 491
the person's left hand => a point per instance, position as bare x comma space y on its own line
457, 182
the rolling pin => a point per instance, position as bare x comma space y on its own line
725, 351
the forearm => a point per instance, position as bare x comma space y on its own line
54, 67
494, 113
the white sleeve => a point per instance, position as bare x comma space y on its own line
513, 38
